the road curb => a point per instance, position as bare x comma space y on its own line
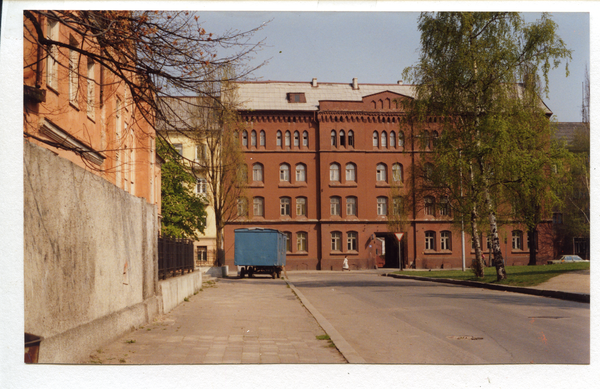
578, 297
342, 345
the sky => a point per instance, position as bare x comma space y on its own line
375, 47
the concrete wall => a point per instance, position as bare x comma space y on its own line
174, 290
90, 264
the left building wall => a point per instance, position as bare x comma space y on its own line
91, 199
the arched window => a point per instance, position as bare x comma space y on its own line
517, 240
301, 240
350, 172
245, 138
333, 138
288, 139
350, 138
429, 206
397, 205
397, 172
335, 207
288, 242
278, 138
336, 241
334, 172
262, 139
381, 172
400, 139
284, 206
300, 172
296, 139
392, 139
253, 138
444, 206
375, 139
429, 240
382, 203
352, 240
342, 138
445, 240
257, 172
300, 206
242, 206
305, 139
284, 172
350, 206
384, 139
258, 206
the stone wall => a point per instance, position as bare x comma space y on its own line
90, 262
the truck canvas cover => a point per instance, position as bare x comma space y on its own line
259, 247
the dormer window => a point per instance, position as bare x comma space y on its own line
296, 98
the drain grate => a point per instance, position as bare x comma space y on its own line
465, 337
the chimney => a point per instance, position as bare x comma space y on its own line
355, 83
314, 82
400, 82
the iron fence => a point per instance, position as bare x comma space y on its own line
174, 255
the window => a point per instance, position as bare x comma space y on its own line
397, 205
73, 73
300, 206
429, 206
400, 139
428, 171
258, 206
201, 152
334, 206
253, 138
342, 138
305, 139
52, 59
351, 138
242, 206
202, 253
351, 206
444, 206
301, 239
300, 173
384, 139
381, 172
91, 88
517, 240
296, 97
333, 138
201, 186
257, 172
284, 172
392, 139
296, 139
429, 240
557, 218
243, 172
434, 138
382, 206
288, 139
350, 172
288, 241
397, 172
284, 206
375, 139
336, 240
245, 138
178, 148
334, 172
352, 240
262, 138
425, 139
279, 138
445, 240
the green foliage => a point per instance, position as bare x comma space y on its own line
183, 212
480, 76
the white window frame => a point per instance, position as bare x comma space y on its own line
445, 240
257, 172
334, 172
350, 172
300, 206
381, 174
302, 241
382, 203
284, 206
91, 88
334, 206
430, 240
351, 208
300, 172
258, 206
352, 241
336, 241
284, 172
52, 59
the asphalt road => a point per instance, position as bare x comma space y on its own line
388, 320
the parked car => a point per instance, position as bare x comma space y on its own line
568, 259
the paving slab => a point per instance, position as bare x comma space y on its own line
250, 321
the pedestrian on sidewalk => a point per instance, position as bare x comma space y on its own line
345, 264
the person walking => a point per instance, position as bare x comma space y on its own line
345, 264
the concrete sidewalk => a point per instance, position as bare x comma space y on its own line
234, 321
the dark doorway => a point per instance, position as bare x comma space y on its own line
387, 251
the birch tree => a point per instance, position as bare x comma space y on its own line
473, 70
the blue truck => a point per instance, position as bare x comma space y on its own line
260, 251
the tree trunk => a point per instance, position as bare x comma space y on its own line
220, 249
532, 248
477, 264
498, 258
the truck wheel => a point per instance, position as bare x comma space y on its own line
274, 274
242, 272
278, 273
250, 272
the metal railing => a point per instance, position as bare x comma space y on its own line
174, 255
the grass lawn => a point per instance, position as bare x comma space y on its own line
517, 275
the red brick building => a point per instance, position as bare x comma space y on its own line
325, 162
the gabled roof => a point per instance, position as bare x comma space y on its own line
566, 131
273, 95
